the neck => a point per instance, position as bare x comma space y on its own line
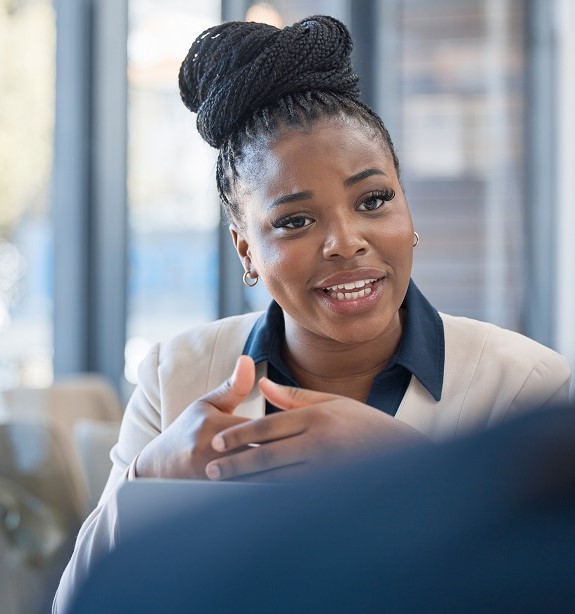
330, 366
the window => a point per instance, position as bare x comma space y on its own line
461, 101
173, 203
27, 95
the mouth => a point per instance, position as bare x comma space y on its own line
352, 290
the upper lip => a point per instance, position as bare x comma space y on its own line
346, 277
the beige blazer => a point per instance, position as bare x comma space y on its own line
490, 374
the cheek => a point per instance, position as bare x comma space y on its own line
284, 267
281, 264
271, 258
396, 239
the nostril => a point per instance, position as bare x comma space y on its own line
345, 245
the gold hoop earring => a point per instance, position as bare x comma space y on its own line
246, 282
415, 239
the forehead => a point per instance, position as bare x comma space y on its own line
297, 159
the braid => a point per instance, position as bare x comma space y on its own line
248, 80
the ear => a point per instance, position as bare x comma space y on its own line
242, 247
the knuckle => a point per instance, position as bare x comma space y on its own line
223, 389
295, 393
232, 441
229, 467
261, 428
321, 416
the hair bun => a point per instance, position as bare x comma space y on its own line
236, 67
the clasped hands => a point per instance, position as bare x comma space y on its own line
314, 430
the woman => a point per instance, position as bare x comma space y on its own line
353, 353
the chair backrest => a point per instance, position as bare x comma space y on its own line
61, 406
86, 396
94, 440
33, 457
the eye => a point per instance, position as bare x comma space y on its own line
293, 222
375, 200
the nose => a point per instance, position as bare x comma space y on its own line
344, 239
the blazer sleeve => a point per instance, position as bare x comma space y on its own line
97, 536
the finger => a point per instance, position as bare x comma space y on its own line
236, 388
269, 428
255, 460
289, 397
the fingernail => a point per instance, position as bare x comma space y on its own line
214, 472
269, 381
236, 367
218, 443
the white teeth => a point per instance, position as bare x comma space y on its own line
352, 285
350, 296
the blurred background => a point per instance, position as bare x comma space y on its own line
110, 230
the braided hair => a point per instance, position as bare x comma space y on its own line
249, 80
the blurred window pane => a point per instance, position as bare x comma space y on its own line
282, 13
173, 203
27, 98
462, 105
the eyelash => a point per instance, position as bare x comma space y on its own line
384, 195
290, 219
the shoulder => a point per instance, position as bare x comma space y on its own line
179, 370
490, 374
499, 368
226, 332
466, 338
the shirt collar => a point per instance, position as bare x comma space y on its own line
265, 339
421, 350
422, 346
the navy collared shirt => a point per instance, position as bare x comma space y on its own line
421, 353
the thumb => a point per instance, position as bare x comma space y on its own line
289, 397
236, 388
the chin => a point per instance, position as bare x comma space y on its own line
354, 334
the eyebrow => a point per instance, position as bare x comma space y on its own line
290, 198
297, 196
362, 175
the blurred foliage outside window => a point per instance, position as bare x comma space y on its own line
27, 99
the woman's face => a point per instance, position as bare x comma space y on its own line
327, 228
